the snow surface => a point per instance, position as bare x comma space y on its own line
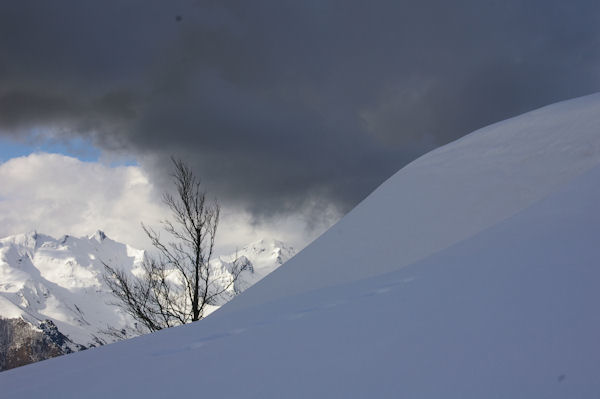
494, 296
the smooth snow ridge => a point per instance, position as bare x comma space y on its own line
445, 197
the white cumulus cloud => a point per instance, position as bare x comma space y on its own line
56, 194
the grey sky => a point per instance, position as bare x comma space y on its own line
287, 106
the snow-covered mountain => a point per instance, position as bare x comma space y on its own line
60, 280
471, 273
260, 259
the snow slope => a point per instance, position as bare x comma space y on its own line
502, 301
61, 280
446, 196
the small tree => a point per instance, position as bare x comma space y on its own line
177, 284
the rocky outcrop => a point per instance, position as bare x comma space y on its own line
21, 343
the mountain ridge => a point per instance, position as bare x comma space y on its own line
58, 282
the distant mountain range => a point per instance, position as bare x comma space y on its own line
53, 299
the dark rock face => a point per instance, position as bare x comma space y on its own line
21, 343
50, 330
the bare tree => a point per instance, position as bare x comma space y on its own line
177, 284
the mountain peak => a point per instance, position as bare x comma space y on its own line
267, 243
29, 240
99, 236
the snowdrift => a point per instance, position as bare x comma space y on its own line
473, 272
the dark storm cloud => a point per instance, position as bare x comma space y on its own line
284, 105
